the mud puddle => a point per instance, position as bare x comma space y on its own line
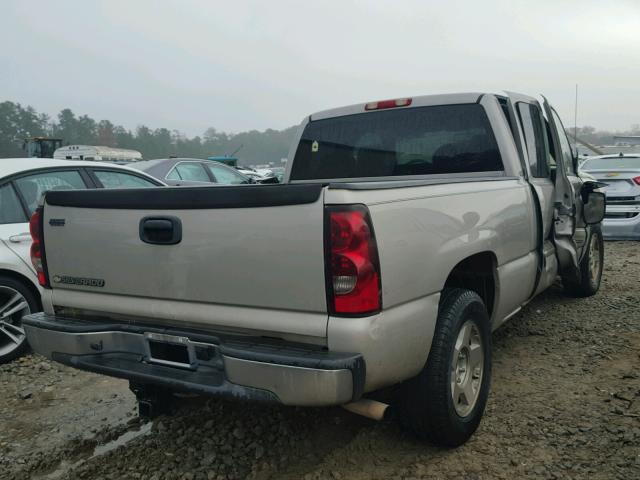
66, 466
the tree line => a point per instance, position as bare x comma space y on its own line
18, 122
601, 137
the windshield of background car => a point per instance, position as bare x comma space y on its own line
614, 163
409, 141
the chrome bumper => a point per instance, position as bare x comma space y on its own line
240, 367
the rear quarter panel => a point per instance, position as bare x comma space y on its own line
423, 232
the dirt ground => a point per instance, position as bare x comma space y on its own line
565, 403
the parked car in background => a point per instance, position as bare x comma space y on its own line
621, 173
406, 232
22, 183
191, 172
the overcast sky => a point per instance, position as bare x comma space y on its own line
239, 65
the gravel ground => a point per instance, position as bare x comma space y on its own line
565, 403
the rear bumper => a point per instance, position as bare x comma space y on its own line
622, 228
240, 367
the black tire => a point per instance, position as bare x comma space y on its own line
34, 306
588, 282
427, 406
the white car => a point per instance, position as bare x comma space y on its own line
22, 182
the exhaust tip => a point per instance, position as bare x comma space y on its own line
371, 409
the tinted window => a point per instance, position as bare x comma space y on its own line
410, 141
192, 172
10, 209
33, 186
173, 175
565, 146
535, 138
226, 175
612, 163
110, 179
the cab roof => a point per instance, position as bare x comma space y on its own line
416, 101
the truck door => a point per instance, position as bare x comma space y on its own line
528, 127
569, 233
537, 158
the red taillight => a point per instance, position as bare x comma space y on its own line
636, 180
382, 104
352, 261
37, 257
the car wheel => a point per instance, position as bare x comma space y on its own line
16, 301
445, 402
591, 267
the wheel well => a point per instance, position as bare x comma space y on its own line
477, 273
25, 281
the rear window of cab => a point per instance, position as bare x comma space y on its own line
400, 142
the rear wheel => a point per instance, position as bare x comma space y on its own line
445, 402
16, 300
591, 266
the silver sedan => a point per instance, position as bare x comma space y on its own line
621, 173
191, 172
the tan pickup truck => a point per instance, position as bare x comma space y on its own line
405, 232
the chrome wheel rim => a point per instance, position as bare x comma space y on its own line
467, 367
13, 306
594, 258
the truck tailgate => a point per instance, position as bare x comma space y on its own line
248, 246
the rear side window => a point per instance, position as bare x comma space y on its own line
536, 139
565, 146
10, 209
192, 172
33, 186
173, 175
410, 141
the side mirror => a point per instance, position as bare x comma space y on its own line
594, 208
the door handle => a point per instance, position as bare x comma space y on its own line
161, 230
21, 237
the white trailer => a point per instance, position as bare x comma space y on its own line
97, 153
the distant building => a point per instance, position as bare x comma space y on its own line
626, 139
617, 149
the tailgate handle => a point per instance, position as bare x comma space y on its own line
161, 230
